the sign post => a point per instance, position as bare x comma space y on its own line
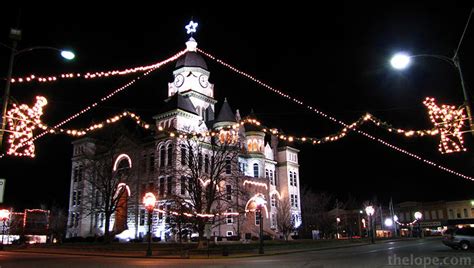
2, 188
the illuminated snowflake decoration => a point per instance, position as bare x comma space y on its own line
22, 120
448, 120
191, 27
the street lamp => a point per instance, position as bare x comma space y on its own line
15, 36
370, 211
149, 201
338, 220
418, 217
260, 202
402, 61
4, 216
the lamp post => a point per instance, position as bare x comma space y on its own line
260, 202
370, 212
338, 220
15, 36
149, 201
4, 216
402, 61
418, 217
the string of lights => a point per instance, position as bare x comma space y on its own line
317, 111
88, 75
19, 148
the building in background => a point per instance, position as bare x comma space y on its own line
149, 160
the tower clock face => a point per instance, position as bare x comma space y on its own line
203, 81
179, 80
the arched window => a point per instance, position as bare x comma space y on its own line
170, 154
183, 154
162, 156
255, 170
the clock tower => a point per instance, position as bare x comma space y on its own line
191, 79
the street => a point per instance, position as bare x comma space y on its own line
414, 253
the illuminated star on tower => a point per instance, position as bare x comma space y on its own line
191, 27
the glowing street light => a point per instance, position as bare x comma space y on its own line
400, 61
4, 216
149, 201
15, 36
370, 212
260, 202
418, 217
388, 222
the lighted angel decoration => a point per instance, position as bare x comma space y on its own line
448, 120
22, 120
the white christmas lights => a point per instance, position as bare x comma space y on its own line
313, 109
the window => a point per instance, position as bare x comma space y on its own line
229, 220
169, 184
266, 174
458, 213
74, 196
291, 178
79, 173
273, 221
162, 156
170, 154
433, 215
199, 161
427, 215
229, 191
75, 173
440, 214
96, 220
168, 209
294, 179
101, 220
465, 213
142, 217
292, 200
230, 233
255, 170
162, 186
228, 168
160, 212
206, 163
76, 219
273, 201
272, 181
183, 154
257, 217
151, 162
183, 185
296, 200
191, 157
451, 214
79, 196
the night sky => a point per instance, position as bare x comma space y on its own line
334, 58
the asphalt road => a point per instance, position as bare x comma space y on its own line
418, 253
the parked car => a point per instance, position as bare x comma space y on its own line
462, 238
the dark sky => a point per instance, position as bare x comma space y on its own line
334, 58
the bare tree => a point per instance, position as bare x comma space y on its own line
57, 223
103, 191
285, 220
314, 211
209, 178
